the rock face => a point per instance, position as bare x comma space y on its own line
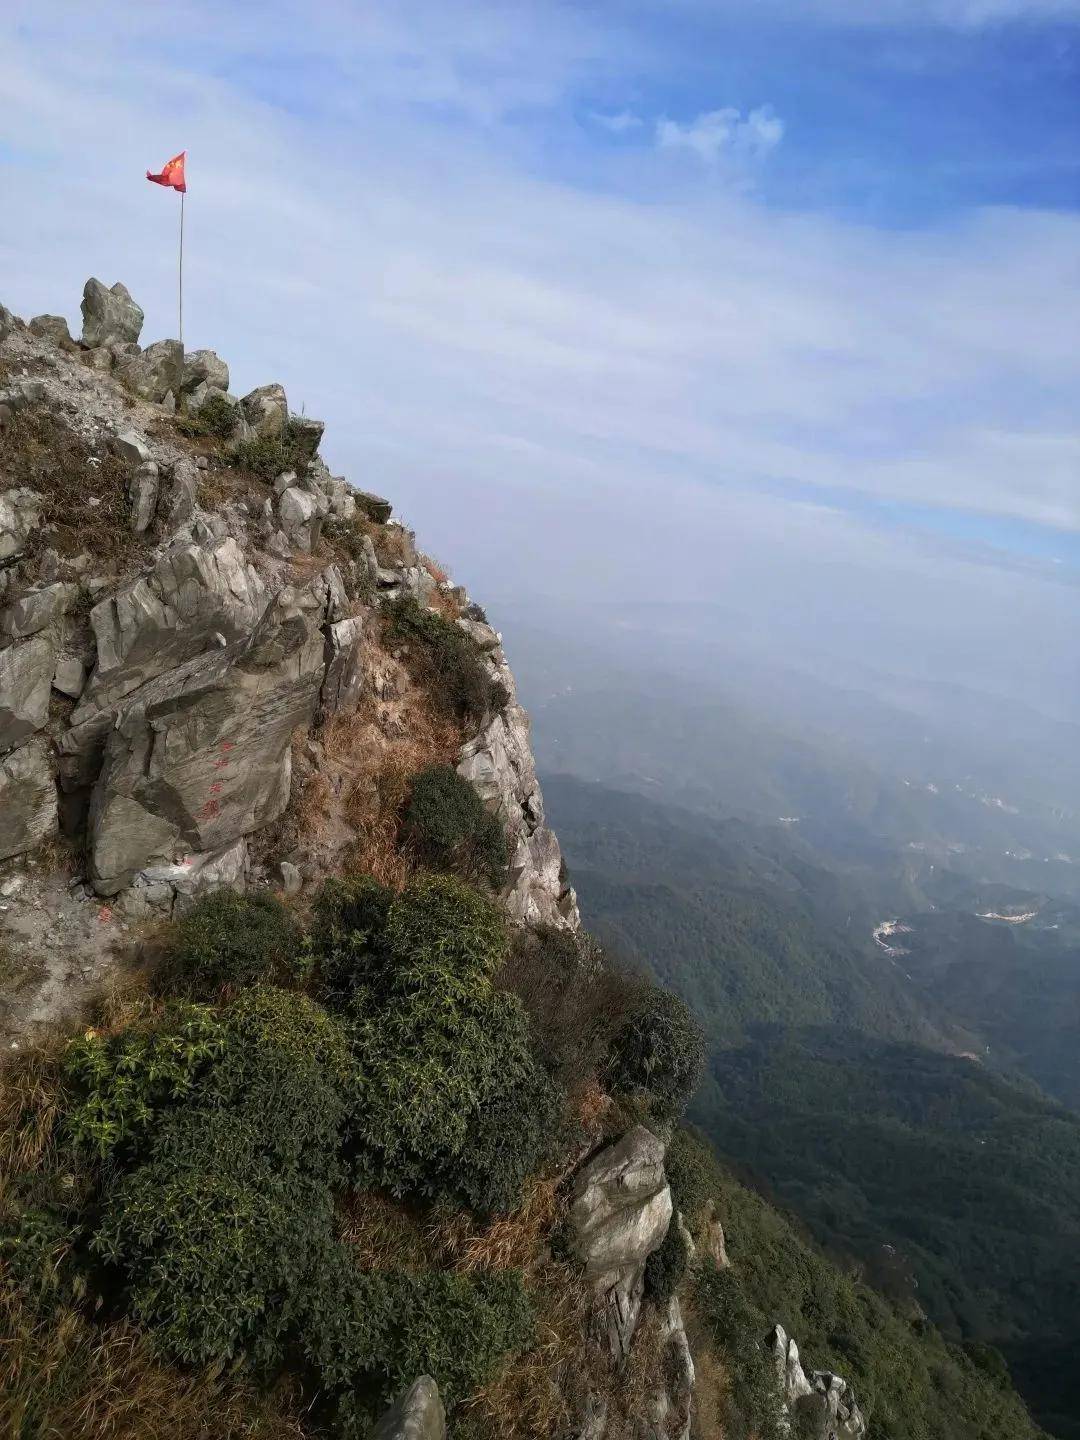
499, 764
620, 1213
823, 1403
168, 676
417, 1415
27, 800
669, 1407
110, 317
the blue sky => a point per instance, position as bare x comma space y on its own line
785, 293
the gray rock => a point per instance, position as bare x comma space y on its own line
343, 686
157, 372
143, 490
193, 594
38, 608
204, 367
499, 764
201, 756
292, 881
28, 811
110, 317
50, 327
266, 411
100, 358
70, 676
416, 1415
8, 323
669, 1406
374, 506
20, 513
307, 433
131, 446
619, 1214
300, 518
26, 671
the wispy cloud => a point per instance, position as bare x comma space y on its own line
726, 132
618, 123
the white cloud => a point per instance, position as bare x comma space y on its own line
726, 132
550, 380
618, 123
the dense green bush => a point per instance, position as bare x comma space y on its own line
348, 921
447, 828
692, 1172
442, 656
120, 1084
285, 1068
215, 419
440, 930
220, 1247
666, 1266
739, 1329
34, 1250
230, 940
658, 1050
372, 1333
270, 456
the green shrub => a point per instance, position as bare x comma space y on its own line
220, 1247
215, 419
693, 1173
231, 940
739, 1329
348, 920
271, 456
285, 1068
447, 828
441, 930
120, 1084
442, 656
658, 1050
372, 1333
666, 1266
34, 1249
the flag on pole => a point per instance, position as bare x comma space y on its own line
172, 174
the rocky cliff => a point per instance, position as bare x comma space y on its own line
223, 669
184, 641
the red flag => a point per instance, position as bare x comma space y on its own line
172, 174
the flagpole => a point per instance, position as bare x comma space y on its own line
181, 297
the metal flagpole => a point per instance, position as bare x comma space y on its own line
181, 267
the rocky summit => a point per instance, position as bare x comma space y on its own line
342, 1125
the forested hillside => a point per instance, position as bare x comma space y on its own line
836, 1079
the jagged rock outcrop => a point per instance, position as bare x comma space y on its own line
620, 1213
110, 316
499, 764
28, 811
417, 1415
670, 1405
822, 1403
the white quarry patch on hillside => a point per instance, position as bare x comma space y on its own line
1008, 919
884, 931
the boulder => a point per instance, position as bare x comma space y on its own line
196, 598
266, 411
307, 433
37, 608
100, 358
110, 317
204, 367
51, 327
20, 512
344, 682
70, 676
28, 808
156, 373
143, 496
416, 1415
620, 1213
301, 519
200, 756
26, 672
374, 506
132, 447
8, 323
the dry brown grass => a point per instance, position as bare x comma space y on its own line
508, 1242
65, 1378
383, 1233
31, 1103
37, 450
